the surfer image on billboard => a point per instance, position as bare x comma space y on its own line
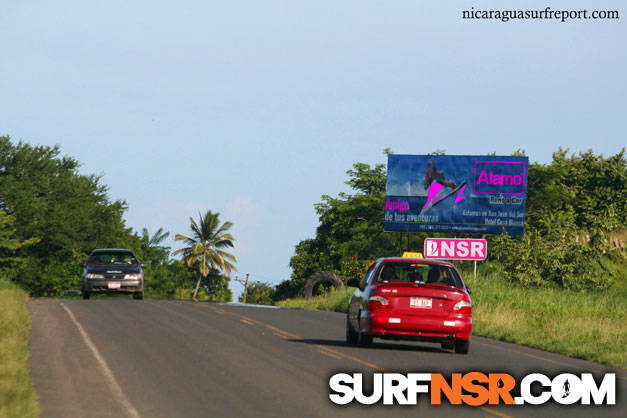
435, 182
433, 174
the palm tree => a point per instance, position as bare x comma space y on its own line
156, 239
151, 248
205, 247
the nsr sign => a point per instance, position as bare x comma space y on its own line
456, 249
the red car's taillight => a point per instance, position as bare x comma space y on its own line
463, 307
378, 302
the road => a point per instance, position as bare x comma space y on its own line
119, 357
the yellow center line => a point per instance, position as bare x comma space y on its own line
495, 413
275, 329
244, 318
349, 357
246, 322
331, 352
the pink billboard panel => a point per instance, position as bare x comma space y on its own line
456, 249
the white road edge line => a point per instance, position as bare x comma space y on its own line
113, 384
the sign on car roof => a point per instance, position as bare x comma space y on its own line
408, 254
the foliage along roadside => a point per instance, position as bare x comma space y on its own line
572, 204
560, 287
51, 217
17, 398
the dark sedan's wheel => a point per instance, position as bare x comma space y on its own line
363, 340
86, 295
351, 335
138, 295
462, 347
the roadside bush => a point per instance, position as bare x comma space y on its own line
259, 293
163, 280
42, 278
553, 255
352, 268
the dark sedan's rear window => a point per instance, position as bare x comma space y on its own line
113, 258
418, 273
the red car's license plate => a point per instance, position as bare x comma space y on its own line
420, 303
113, 285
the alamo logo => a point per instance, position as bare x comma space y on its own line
500, 177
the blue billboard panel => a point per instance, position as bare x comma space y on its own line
456, 194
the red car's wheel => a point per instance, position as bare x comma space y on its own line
363, 340
462, 347
448, 346
351, 335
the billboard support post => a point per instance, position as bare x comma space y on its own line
475, 269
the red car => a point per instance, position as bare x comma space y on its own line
411, 299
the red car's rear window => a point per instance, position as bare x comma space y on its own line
412, 272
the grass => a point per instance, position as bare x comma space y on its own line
334, 301
587, 325
17, 398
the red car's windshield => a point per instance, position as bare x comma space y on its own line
419, 273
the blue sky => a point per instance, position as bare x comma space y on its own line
256, 109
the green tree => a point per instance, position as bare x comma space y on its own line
350, 232
216, 286
594, 188
205, 247
571, 205
151, 249
577, 196
68, 213
9, 245
259, 293
163, 279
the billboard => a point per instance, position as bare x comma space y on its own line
456, 194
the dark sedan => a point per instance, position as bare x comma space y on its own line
113, 270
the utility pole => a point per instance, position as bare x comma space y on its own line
246, 288
245, 283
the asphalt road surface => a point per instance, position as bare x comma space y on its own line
119, 357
